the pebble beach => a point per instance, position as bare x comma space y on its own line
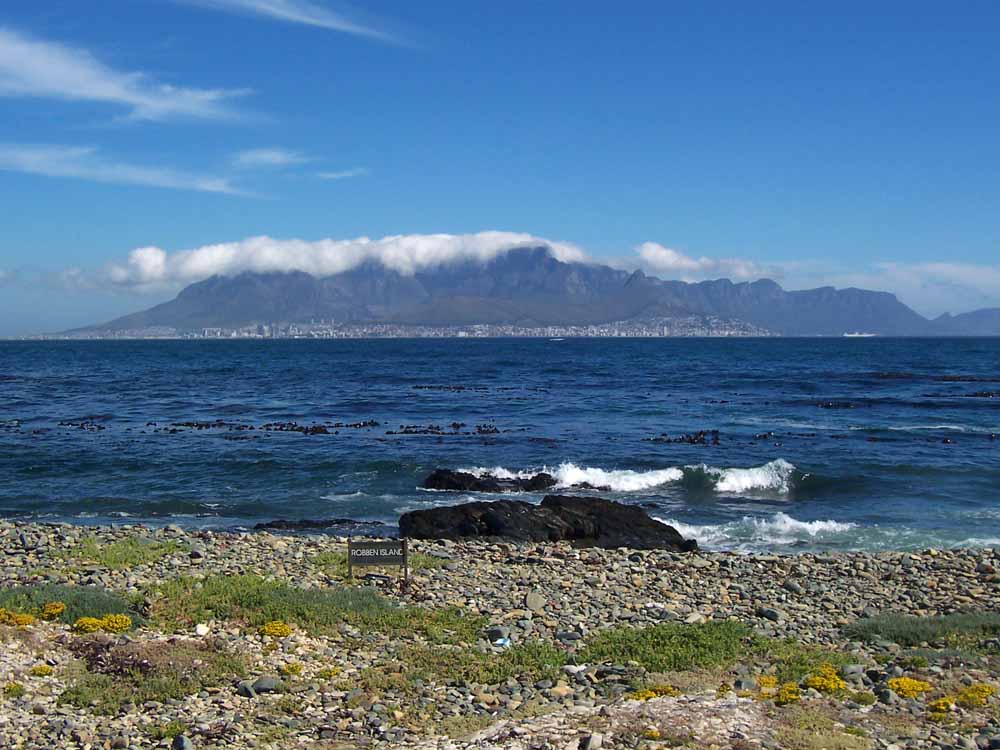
343, 685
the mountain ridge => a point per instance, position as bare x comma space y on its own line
529, 287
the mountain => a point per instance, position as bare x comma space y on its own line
984, 322
529, 287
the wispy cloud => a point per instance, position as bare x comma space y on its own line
343, 174
36, 68
153, 268
269, 157
304, 12
6, 276
88, 164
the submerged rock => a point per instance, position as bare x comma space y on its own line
463, 481
584, 521
306, 524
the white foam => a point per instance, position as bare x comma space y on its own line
920, 427
774, 475
569, 475
617, 480
755, 533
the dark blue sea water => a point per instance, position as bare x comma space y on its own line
822, 444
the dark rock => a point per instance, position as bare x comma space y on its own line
584, 521
305, 524
267, 684
181, 743
463, 481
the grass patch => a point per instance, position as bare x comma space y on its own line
122, 554
669, 647
254, 601
811, 729
80, 601
111, 674
908, 630
793, 660
334, 563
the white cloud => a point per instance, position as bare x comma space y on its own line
153, 268
36, 68
343, 174
675, 264
269, 157
87, 164
296, 11
6, 276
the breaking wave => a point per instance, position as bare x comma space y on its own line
749, 532
776, 476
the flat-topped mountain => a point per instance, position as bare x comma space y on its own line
529, 287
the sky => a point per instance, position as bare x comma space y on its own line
145, 144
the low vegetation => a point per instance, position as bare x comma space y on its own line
813, 729
444, 665
908, 630
122, 554
112, 673
76, 602
670, 647
793, 661
255, 602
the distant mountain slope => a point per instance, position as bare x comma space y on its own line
530, 287
984, 322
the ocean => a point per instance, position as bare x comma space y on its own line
821, 444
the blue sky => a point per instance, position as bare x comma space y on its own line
841, 145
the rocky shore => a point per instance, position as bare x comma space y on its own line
258, 640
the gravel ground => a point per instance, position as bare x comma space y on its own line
553, 594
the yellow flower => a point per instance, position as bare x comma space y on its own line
909, 687
656, 691
826, 680
13, 690
652, 734
23, 620
328, 673
41, 670
767, 681
788, 693
941, 705
291, 669
52, 610
975, 696
87, 625
116, 623
276, 629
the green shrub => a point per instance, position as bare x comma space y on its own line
444, 665
254, 601
669, 646
909, 630
793, 660
80, 601
121, 554
111, 673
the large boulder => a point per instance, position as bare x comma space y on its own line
463, 481
584, 521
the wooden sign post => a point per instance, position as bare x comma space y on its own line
380, 554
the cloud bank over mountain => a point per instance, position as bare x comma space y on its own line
931, 288
152, 267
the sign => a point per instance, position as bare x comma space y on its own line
395, 553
